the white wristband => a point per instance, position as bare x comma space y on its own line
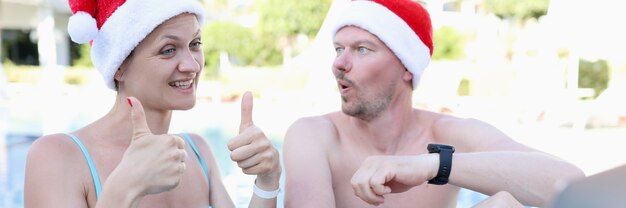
265, 194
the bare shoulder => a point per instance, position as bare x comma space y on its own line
322, 121
47, 180
305, 153
52, 146
53, 152
310, 136
469, 134
443, 123
317, 128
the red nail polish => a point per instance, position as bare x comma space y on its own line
129, 102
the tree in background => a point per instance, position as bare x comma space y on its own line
517, 10
593, 74
448, 44
81, 55
280, 22
242, 44
283, 20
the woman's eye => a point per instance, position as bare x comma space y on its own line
169, 51
196, 44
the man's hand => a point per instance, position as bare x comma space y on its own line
381, 175
252, 151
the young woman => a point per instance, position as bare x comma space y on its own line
150, 52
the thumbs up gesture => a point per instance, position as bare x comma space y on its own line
155, 163
252, 151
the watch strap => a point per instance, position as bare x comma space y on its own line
445, 166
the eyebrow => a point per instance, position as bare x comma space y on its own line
358, 42
174, 37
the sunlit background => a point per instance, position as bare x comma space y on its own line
550, 73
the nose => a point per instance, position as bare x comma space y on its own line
343, 62
191, 62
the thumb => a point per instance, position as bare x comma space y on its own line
138, 117
246, 112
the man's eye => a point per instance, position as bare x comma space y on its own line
339, 50
363, 50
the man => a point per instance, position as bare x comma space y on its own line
374, 152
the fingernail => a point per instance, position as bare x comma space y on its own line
129, 102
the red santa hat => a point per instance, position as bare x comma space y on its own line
115, 27
403, 25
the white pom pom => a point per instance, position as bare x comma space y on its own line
82, 27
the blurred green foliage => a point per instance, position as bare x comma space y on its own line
515, 9
21, 73
81, 55
281, 21
77, 75
283, 18
593, 75
242, 44
30, 74
448, 44
465, 87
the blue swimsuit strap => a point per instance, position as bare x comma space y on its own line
195, 150
92, 167
94, 171
202, 163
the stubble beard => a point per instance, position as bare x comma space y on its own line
364, 108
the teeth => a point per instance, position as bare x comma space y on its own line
182, 84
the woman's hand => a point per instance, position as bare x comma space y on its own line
152, 163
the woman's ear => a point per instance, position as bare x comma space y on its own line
119, 74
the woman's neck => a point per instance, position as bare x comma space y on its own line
118, 119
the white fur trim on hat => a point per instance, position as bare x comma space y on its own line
390, 29
129, 25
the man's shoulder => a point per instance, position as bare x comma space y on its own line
445, 122
321, 127
320, 122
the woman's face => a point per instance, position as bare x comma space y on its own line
163, 69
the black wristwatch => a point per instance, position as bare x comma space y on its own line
445, 162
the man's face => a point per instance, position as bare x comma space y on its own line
367, 73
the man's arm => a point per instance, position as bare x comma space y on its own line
488, 161
308, 175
